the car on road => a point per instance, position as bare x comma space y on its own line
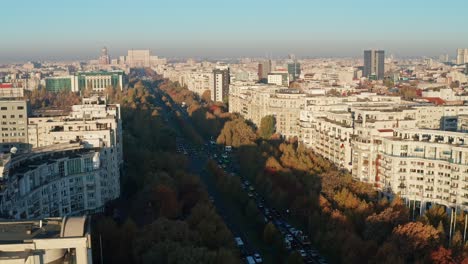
258, 258
302, 253
250, 260
239, 242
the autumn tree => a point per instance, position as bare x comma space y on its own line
267, 126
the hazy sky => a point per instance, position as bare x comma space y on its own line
63, 29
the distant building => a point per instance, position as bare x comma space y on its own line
221, 81
374, 63
98, 81
294, 70
279, 78
264, 68
48, 241
138, 58
14, 124
142, 59
104, 59
73, 169
462, 56
61, 83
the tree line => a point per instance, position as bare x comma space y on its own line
347, 220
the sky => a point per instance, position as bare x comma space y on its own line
77, 30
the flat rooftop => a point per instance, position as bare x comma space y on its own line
13, 232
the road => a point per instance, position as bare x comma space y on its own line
199, 155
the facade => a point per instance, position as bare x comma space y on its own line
47, 241
294, 70
141, 59
264, 68
426, 166
197, 82
14, 124
221, 81
138, 58
97, 81
279, 78
462, 56
257, 101
61, 83
60, 180
73, 168
104, 59
100, 81
374, 63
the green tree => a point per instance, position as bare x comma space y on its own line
269, 233
267, 126
294, 258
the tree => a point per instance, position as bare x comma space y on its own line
206, 96
267, 126
442, 256
294, 258
269, 233
435, 215
415, 240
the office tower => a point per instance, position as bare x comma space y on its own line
294, 70
14, 124
462, 56
264, 68
104, 59
221, 81
374, 62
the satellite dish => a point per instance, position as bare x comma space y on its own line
13, 150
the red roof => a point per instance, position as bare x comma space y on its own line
435, 100
6, 85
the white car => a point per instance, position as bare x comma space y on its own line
258, 258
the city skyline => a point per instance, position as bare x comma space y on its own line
60, 31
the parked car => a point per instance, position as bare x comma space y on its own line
258, 258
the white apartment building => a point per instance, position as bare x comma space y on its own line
13, 124
197, 82
59, 180
48, 241
462, 56
257, 101
74, 167
93, 122
427, 166
328, 134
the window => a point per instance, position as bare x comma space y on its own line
3, 108
20, 107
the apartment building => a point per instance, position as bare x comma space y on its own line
427, 166
257, 101
48, 241
94, 122
14, 124
73, 168
328, 134
197, 82
59, 180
